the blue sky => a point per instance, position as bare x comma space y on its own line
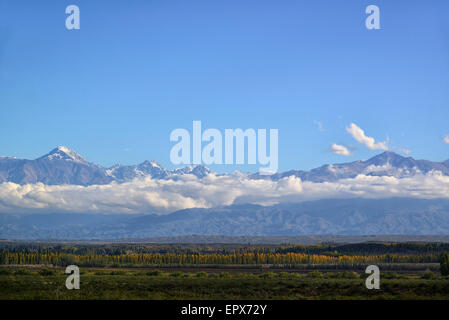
116, 88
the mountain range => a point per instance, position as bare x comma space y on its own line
64, 166
385, 164
393, 216
352, 216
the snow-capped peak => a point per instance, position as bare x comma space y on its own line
63, 153
152, 163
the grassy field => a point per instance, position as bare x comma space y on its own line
46, 283
223, 271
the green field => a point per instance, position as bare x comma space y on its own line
37, 283
224, 271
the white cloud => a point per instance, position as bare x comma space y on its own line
319, 124
164, 196
446, 139
359, 135
339, 149
405, 151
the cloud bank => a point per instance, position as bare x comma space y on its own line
165, 196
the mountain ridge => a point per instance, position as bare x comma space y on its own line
356, 216
386, 163
62, 165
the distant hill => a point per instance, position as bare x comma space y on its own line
394, 216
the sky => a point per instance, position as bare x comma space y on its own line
115, 89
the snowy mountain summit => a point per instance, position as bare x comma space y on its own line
63, 153
63, 165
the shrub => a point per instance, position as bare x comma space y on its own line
246, 275
350, 275
284, 275
4, 271
331, 275
428, 275
213, 275
101, 273
267, 275
46, 272
21, 272
296, 275
444, 264
394, 275
118, 273
154, 273
315, 274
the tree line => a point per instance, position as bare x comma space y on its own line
363, 249
157, 259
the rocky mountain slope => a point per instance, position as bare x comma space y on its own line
64, 166
394, 216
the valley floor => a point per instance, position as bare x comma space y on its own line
117, 283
